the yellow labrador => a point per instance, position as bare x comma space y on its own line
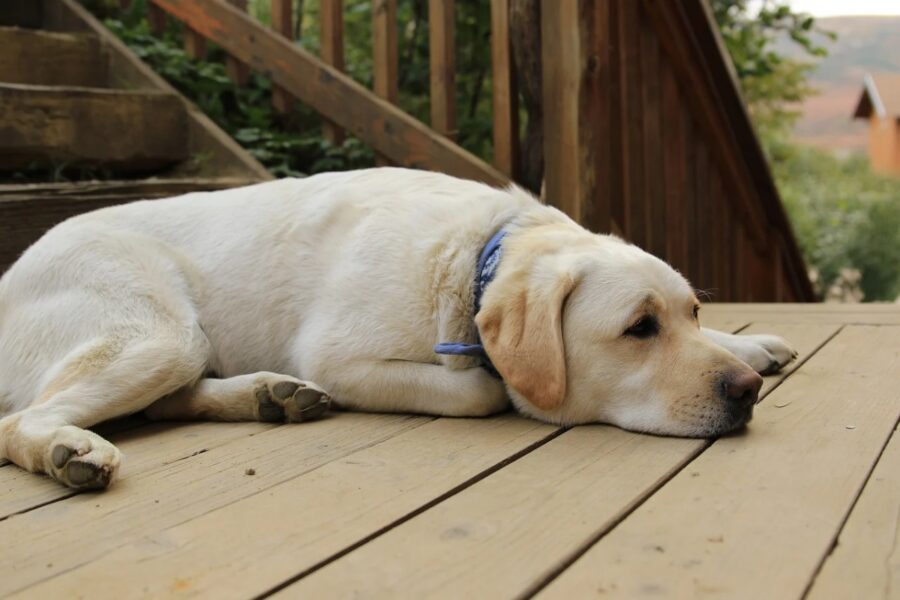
251, 303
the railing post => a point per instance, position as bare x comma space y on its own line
504, 94
442, 55
156, 18
331, 21
572, 104
384, 48
238, 72
194, 43
282, 22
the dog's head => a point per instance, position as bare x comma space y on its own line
586, 328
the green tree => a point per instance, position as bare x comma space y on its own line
844, 215
772, 84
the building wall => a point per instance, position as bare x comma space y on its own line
884, 145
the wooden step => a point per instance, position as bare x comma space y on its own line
123, 132
27, 211
45, 58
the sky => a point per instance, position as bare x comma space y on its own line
831, 8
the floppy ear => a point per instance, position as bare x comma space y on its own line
521, 329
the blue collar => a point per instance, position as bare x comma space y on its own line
484, 274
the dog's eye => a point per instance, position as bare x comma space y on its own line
646, 327
696, 311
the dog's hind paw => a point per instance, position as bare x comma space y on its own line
82, 459
282, 398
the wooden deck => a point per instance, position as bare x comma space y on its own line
804, 504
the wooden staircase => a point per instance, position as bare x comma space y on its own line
74, 101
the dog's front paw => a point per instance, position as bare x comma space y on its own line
282, 398
767, 354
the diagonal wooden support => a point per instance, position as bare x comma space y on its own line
389, 130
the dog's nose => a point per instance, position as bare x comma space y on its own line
742, 390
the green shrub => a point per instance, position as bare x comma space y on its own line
844, 216
287, 146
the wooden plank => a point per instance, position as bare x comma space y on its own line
674, 170
634, 170
146, 449
599, 105
385, 66
89, 526
886, 314
866, 561
759, 500
48, 58
296, 525
388, 129
652, 118
720, 241
506, 534
83, 126
282, 23
238, 72
688, 172
500, 537
442, 65
504, 92
331, 39
699, 226
28, 211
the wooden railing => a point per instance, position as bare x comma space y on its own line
644, 130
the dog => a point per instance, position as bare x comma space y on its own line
378, 290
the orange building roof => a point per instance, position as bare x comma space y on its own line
880, 96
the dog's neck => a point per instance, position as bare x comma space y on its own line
485, 271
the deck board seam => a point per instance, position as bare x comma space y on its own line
167, 464
414, 513
843, 522
126, 542
560, 569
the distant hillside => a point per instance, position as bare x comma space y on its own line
864, 44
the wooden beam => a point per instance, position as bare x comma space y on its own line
442, 54
238, 72
38, 57
331, 21
282, 22
385, 55
389, 130
84, 127
505, 95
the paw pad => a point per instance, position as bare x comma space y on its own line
290, 401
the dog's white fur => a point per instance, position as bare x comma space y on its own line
347, 280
